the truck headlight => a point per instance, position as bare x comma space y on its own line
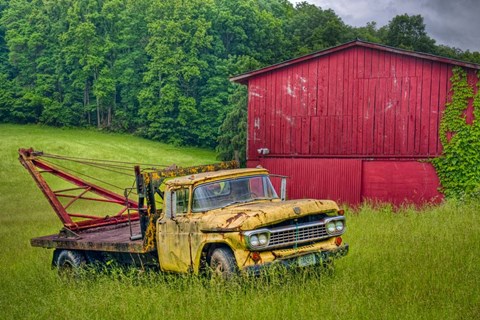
254, 242
335, 226
339, 225
263, 239
257, 239
331, 227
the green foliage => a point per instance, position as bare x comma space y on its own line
232, 134
313, 29
233, 131
180, 35
459, 167
7, 98
369, 32
5, 67
408, 32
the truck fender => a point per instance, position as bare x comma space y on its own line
202, 259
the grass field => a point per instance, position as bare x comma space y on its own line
407, 264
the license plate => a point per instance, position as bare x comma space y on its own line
307, 260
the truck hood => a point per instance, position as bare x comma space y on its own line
253, 215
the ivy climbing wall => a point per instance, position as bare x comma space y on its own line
459, 166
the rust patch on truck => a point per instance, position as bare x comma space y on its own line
239, 215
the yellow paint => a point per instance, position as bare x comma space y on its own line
181, 240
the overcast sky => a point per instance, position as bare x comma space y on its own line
455, 23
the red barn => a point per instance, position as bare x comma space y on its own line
352, 122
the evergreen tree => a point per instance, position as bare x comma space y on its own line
233, 131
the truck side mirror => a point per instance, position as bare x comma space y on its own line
283, 189
170, 204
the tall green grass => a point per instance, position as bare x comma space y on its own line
405, 264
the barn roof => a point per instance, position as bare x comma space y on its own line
243, 78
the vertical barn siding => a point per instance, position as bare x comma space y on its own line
355, 102
400, 182
336, 179
354, 180
350, 125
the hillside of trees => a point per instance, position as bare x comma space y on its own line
161, 68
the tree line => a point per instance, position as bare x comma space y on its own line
161, 68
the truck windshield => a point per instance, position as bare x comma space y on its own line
222, 193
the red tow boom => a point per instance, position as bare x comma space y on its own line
81, 190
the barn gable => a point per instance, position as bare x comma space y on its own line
360, 109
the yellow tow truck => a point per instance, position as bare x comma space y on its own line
189, 220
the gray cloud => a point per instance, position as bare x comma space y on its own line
455, 23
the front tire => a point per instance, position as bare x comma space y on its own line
222, 263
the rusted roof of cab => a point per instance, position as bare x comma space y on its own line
243, 78
194, 178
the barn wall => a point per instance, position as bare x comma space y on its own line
355, 102
400, 182
335, 179
353, 124
355, 180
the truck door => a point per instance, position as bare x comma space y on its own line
174, 249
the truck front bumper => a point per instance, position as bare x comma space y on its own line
303, 259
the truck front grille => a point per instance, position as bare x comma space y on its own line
291, 233
297, 234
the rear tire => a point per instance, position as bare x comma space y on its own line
68, 261
222, 263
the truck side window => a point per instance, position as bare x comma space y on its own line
256, 187
182, 200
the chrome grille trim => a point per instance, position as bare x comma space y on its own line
299, 234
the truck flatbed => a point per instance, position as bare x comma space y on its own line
113, 238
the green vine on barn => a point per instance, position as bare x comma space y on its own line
459, 167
